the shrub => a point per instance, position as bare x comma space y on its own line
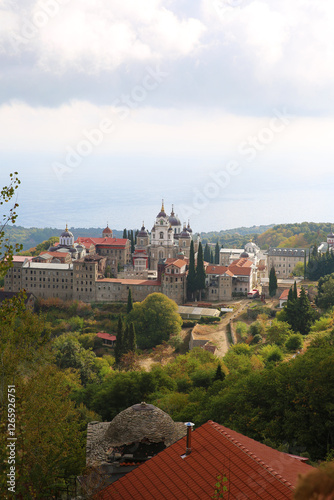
256, 339
294, 342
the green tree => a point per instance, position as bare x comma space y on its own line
130, 303
272, 282
200, 271
155, 319
119, 347
299, 313
206, 255
219, 375
217, 250
294, 342
325, 297
125, 236
7, 250
191, 278
298, 270
278, 332
132, 338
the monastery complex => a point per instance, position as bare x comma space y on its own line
104, 269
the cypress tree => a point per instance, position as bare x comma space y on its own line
212, 259
272, 282
130, 303
126, 342
132, 338
200, 270
125, 234
119, 340
305, 315
217, 250
207, 253
295, 292
191, 278
219, 375
132, 242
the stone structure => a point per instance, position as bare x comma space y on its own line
285, 259
166, 241
226, 282
134, 436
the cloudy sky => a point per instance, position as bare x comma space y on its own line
223, 107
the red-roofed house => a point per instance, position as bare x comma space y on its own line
253, 471
108, 339
284, 296
116, 250
226, 282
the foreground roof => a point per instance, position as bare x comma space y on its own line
254, 471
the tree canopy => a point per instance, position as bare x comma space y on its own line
155, 319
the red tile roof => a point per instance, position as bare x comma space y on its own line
106, 336
108, 242
254, 471
285, 294
56, 254
21, 258
215, 269
177, 263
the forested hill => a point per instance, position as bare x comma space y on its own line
234, 238
302, 235
298, 235
32, 236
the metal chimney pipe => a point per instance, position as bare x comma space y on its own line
189, 426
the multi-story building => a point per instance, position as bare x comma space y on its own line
284, 260
117, 251
167, 239
226, 282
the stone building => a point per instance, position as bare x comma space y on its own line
47, 280
168, 237
227, 282
284, 260
86, 272
117, 251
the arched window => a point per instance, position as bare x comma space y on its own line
161, 255
141, 242
184, 243
161, 235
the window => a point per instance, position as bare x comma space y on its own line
161, 235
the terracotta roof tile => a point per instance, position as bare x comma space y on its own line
254, 471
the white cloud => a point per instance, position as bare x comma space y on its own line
98, 36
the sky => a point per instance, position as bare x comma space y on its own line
224, 108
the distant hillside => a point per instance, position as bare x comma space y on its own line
301, 235
235, 238
32, 236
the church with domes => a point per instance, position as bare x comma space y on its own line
168, 240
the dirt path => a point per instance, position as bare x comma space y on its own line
220, 337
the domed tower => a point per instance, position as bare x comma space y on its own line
66, 238
142, 237
189, 228
184, 241
161, 236
175, 223
330, 240
107, 232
